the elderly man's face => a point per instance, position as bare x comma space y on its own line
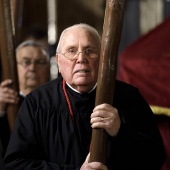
33, 68
80, 73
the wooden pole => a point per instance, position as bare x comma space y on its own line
8, 59
17, 17
112, 29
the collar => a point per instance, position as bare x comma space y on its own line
22, 94
78, 91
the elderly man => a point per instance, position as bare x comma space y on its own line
33, 71
54, 125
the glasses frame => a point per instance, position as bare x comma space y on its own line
91, 55
28, 63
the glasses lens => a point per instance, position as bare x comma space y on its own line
73, 54
37, 63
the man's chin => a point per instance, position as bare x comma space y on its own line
81, 80
32, 84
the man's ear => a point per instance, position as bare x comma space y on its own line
56, 57
57, 62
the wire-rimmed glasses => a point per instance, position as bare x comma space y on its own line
37, 63
72, 54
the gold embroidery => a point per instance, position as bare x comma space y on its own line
158, 110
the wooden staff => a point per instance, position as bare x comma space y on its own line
8, 58
107, 71
17, 13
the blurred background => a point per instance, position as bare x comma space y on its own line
49, 17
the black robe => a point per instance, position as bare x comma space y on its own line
46, 138
5, 131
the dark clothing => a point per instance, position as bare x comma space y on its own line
163, 123
46, 138
2, 166
4, 133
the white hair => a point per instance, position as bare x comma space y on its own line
34, 43
81, 25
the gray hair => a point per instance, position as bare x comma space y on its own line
81, 25
34, 43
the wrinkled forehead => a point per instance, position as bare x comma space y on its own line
30, 52
79, 36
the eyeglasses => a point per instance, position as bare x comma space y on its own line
37, 63
73, 54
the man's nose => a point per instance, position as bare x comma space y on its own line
80, 52
81, 56
32, 65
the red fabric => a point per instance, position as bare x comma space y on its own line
146, 65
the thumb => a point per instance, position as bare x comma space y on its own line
87, 158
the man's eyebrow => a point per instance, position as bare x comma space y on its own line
25, 58
90, 46
70, 47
